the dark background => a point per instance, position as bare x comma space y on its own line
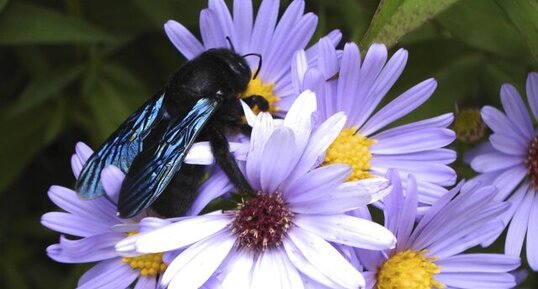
73, 70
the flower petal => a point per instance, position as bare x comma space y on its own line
325, 258
183, 39
194, 266
402, 105
182, 233
348, 230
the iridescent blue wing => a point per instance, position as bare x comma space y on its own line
155, 166
121, 148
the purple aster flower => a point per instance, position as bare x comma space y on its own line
344, 82
96, 223
430, 254
275, 40
281, 236
510, 162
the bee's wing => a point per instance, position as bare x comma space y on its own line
155, 166
120, 148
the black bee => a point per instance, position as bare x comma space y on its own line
199, 102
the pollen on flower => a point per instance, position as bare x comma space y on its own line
265, 90
148, 265
532, 162
352, 149
409, 270
261, 222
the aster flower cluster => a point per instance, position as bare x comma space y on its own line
320, 158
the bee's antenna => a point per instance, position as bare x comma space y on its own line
259, 62
230, 42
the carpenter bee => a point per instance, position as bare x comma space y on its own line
199, 103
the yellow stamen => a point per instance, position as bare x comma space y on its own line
257, 87
352, 149
409, 270
148, 265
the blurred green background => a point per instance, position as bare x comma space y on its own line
74, 70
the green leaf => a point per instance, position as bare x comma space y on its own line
184, 11
23, 23
23, 137
489, 30
44, 88
524, 15
396, 18
2, 4
115, 95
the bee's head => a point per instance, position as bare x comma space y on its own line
235, 65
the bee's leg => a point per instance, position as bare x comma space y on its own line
226, 160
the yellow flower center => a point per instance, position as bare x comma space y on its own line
148, 265
265, 90
409, 270
352, 149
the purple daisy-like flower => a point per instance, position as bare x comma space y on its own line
276, 40
96, 223
281, 236
510, 162
344, 82
429, 255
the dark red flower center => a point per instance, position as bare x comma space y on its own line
261, 222
532, 162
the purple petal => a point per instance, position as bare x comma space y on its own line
223, 16
243, 23
485, 262
183, 39
83, 151
90, 249
112, 178
73, 224
414, 141
279, 61
237, 273
532, 235
439, 156
373, 64
273, 271
115, 275
399, 107
518, 226
305, 267
477, 280
97, 210
146, 282
348, 80
194, 266
507, 181
264, 26
212, 34
325, 258
261, 131
217, 185
327, 59
509, 145
173, 236
498, 122
495, 161
320, 140
515, 110
348, 230
532, 93
278, 162
316, 183
383, 83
